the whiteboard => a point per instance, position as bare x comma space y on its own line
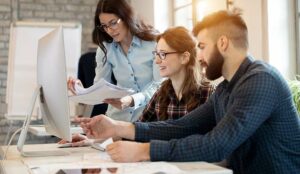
22, 60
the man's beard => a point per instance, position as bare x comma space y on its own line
214, 69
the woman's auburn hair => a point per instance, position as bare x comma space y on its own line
181, 40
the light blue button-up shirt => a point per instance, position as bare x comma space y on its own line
136, 70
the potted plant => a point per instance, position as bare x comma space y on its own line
295, 88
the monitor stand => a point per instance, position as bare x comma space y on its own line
37, 92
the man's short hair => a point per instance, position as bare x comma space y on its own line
228, 23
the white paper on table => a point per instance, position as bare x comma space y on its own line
102, 145
102, 156
99, 157
151, 168
34, 162
122, 168
98, 92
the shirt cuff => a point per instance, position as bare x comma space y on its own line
139, 100
159, 150
141, 131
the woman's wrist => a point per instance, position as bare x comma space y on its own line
127, 101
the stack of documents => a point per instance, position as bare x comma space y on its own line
98, 92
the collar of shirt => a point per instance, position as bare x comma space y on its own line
172, 95
135, 42
238, 74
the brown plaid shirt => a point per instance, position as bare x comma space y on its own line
176, 109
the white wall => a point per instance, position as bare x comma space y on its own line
162, 17
252, 14
282, 37
271, 27
145, 9
206, 7
155, 12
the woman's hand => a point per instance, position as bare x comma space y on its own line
115, 102
120, 103
71, 84
78, 140
127, 151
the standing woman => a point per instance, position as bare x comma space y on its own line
125, 46
185, 88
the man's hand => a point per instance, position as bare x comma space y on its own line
126, 151
100, 127
103, 127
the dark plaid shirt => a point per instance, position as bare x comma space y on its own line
251, 121
176, 108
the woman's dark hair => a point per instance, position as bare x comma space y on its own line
181, 40
123, 10
95, 36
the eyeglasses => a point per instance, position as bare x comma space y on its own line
112, 25
162, 55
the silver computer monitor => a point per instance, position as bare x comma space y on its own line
52, 77
51, 90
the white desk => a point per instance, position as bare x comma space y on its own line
39, 130
83, 156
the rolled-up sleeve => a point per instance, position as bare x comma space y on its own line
143, 97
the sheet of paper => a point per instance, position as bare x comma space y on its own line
98, 92
151, 168
102, 145
106, 142
99, 157
124, 168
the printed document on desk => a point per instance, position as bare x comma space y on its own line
98, 92
108, 168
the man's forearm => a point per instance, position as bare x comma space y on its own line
125, 130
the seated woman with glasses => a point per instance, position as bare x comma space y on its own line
125, 44
184, 90
185, 87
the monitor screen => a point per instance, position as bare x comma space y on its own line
52, 77
52, 93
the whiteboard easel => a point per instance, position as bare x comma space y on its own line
21, 79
